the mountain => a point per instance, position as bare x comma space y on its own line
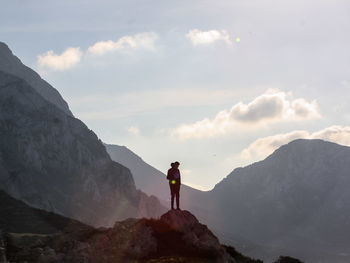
32, 235
295, 202
52, 161
147, 178
9, 63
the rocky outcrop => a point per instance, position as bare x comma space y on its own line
283, 259
52, 161
11, 64
194, 233
176, 237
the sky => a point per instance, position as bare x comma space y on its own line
214, 85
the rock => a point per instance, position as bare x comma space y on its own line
2, 255
179, 220
2, 248
134, 238
283, 259
176, 237
194, 233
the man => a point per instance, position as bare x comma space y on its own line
174, 178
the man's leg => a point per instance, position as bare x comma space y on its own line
178, 197
172, 202
172, 196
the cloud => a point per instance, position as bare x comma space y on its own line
133, 130
70, 57
272, 106
263, 147
198, 37
139, 41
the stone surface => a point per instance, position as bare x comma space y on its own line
283, 259
176, 237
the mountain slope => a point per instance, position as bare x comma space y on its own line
18, 217
147, 178
53, 161
295, 201
12, 65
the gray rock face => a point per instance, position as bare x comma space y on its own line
53, 161
9, 63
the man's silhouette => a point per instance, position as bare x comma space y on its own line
174, 183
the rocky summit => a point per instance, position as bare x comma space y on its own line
176, 237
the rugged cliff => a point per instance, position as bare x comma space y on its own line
51, 160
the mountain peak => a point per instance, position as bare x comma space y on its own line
309, 148
309, 142
11, 64
5, 48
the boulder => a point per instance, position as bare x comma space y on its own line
283, 259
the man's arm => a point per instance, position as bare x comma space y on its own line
168, 175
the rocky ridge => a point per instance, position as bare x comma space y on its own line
34, 235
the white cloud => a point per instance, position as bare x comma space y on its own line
338, 134
262, 147
198, 37
139, 41
70, 57
133, 130
272, 106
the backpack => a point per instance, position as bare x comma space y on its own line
176, 175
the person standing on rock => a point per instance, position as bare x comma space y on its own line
174, 178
